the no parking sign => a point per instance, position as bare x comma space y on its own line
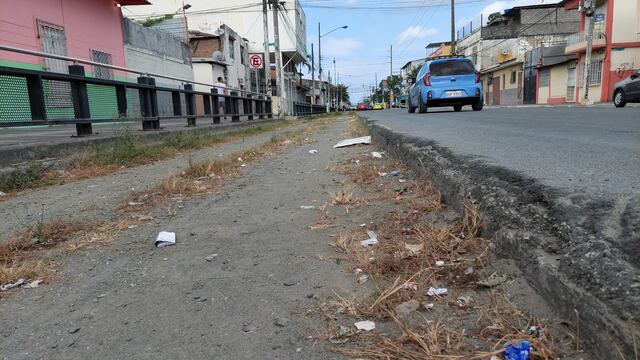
255, 61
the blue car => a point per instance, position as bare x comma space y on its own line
446, 81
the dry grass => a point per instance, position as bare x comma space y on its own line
342, 197
356, 127
416, 252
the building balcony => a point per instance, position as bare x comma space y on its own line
578, 42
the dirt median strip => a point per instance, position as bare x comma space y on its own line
35, 253
526, 229
422, 246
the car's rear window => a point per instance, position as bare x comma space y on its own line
451, 67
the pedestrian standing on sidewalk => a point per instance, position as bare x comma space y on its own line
222, 89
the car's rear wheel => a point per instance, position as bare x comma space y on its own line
477, 106
619, 100
457, 108
422, 107
410, 107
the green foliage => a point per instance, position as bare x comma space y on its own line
496, 16
150, 21
31, 176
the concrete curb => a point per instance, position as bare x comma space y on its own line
522, 218
18, 154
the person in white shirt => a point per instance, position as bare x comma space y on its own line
222, 89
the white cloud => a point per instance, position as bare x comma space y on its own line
334, 46
415, 32
352, 2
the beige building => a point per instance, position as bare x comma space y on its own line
616, 46
502, 83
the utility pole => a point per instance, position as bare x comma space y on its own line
321, 85
186, 24
588, 12
334, 81
453, 29
313, 78
267, 56
390, 75
375, 89
279, 73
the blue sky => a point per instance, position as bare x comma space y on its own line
363, 49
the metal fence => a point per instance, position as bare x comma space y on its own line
308, 109
36, 97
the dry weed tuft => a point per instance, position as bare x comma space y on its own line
342, 197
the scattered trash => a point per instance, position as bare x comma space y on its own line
10, 286
414, 248
395, 173
307, 207
376, 154
2, 193
249, 327
133, 203
406, 308
363, 224
165, 238
518, 351
493, 357
363, 278
402, 180
211, 257
469, 270
33, 284
439, 263
358, 271
400, 190
243, 165
494, 279
427, 305
287, 142
464, 301
199, 299
240, 159
132, 226
341, 336
313, 151
382, 174
533, 331
366, 325
436, 291
372, 240
353, 141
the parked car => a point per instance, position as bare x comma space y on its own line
446, 81
377, 107
627, 90
362, 107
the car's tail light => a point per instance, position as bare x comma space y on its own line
427, 79
478, 77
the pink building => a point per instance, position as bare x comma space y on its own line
87, 29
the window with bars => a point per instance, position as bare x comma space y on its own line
101, 72
595, 72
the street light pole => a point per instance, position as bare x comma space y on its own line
320, 35
453, 29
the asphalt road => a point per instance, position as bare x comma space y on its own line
591, 149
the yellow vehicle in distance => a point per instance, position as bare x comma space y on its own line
377, 107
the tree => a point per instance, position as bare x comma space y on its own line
414, 73
343, 92
150, 21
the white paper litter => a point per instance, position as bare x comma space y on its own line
358, 271
363, 278
353, 141
372, 240
33, 284
402, 180
10, 286
382, 174
2, 193
165, 238
313, 151
439, 263
307, 207
376, 154
363, 224
436, 291
366, 325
